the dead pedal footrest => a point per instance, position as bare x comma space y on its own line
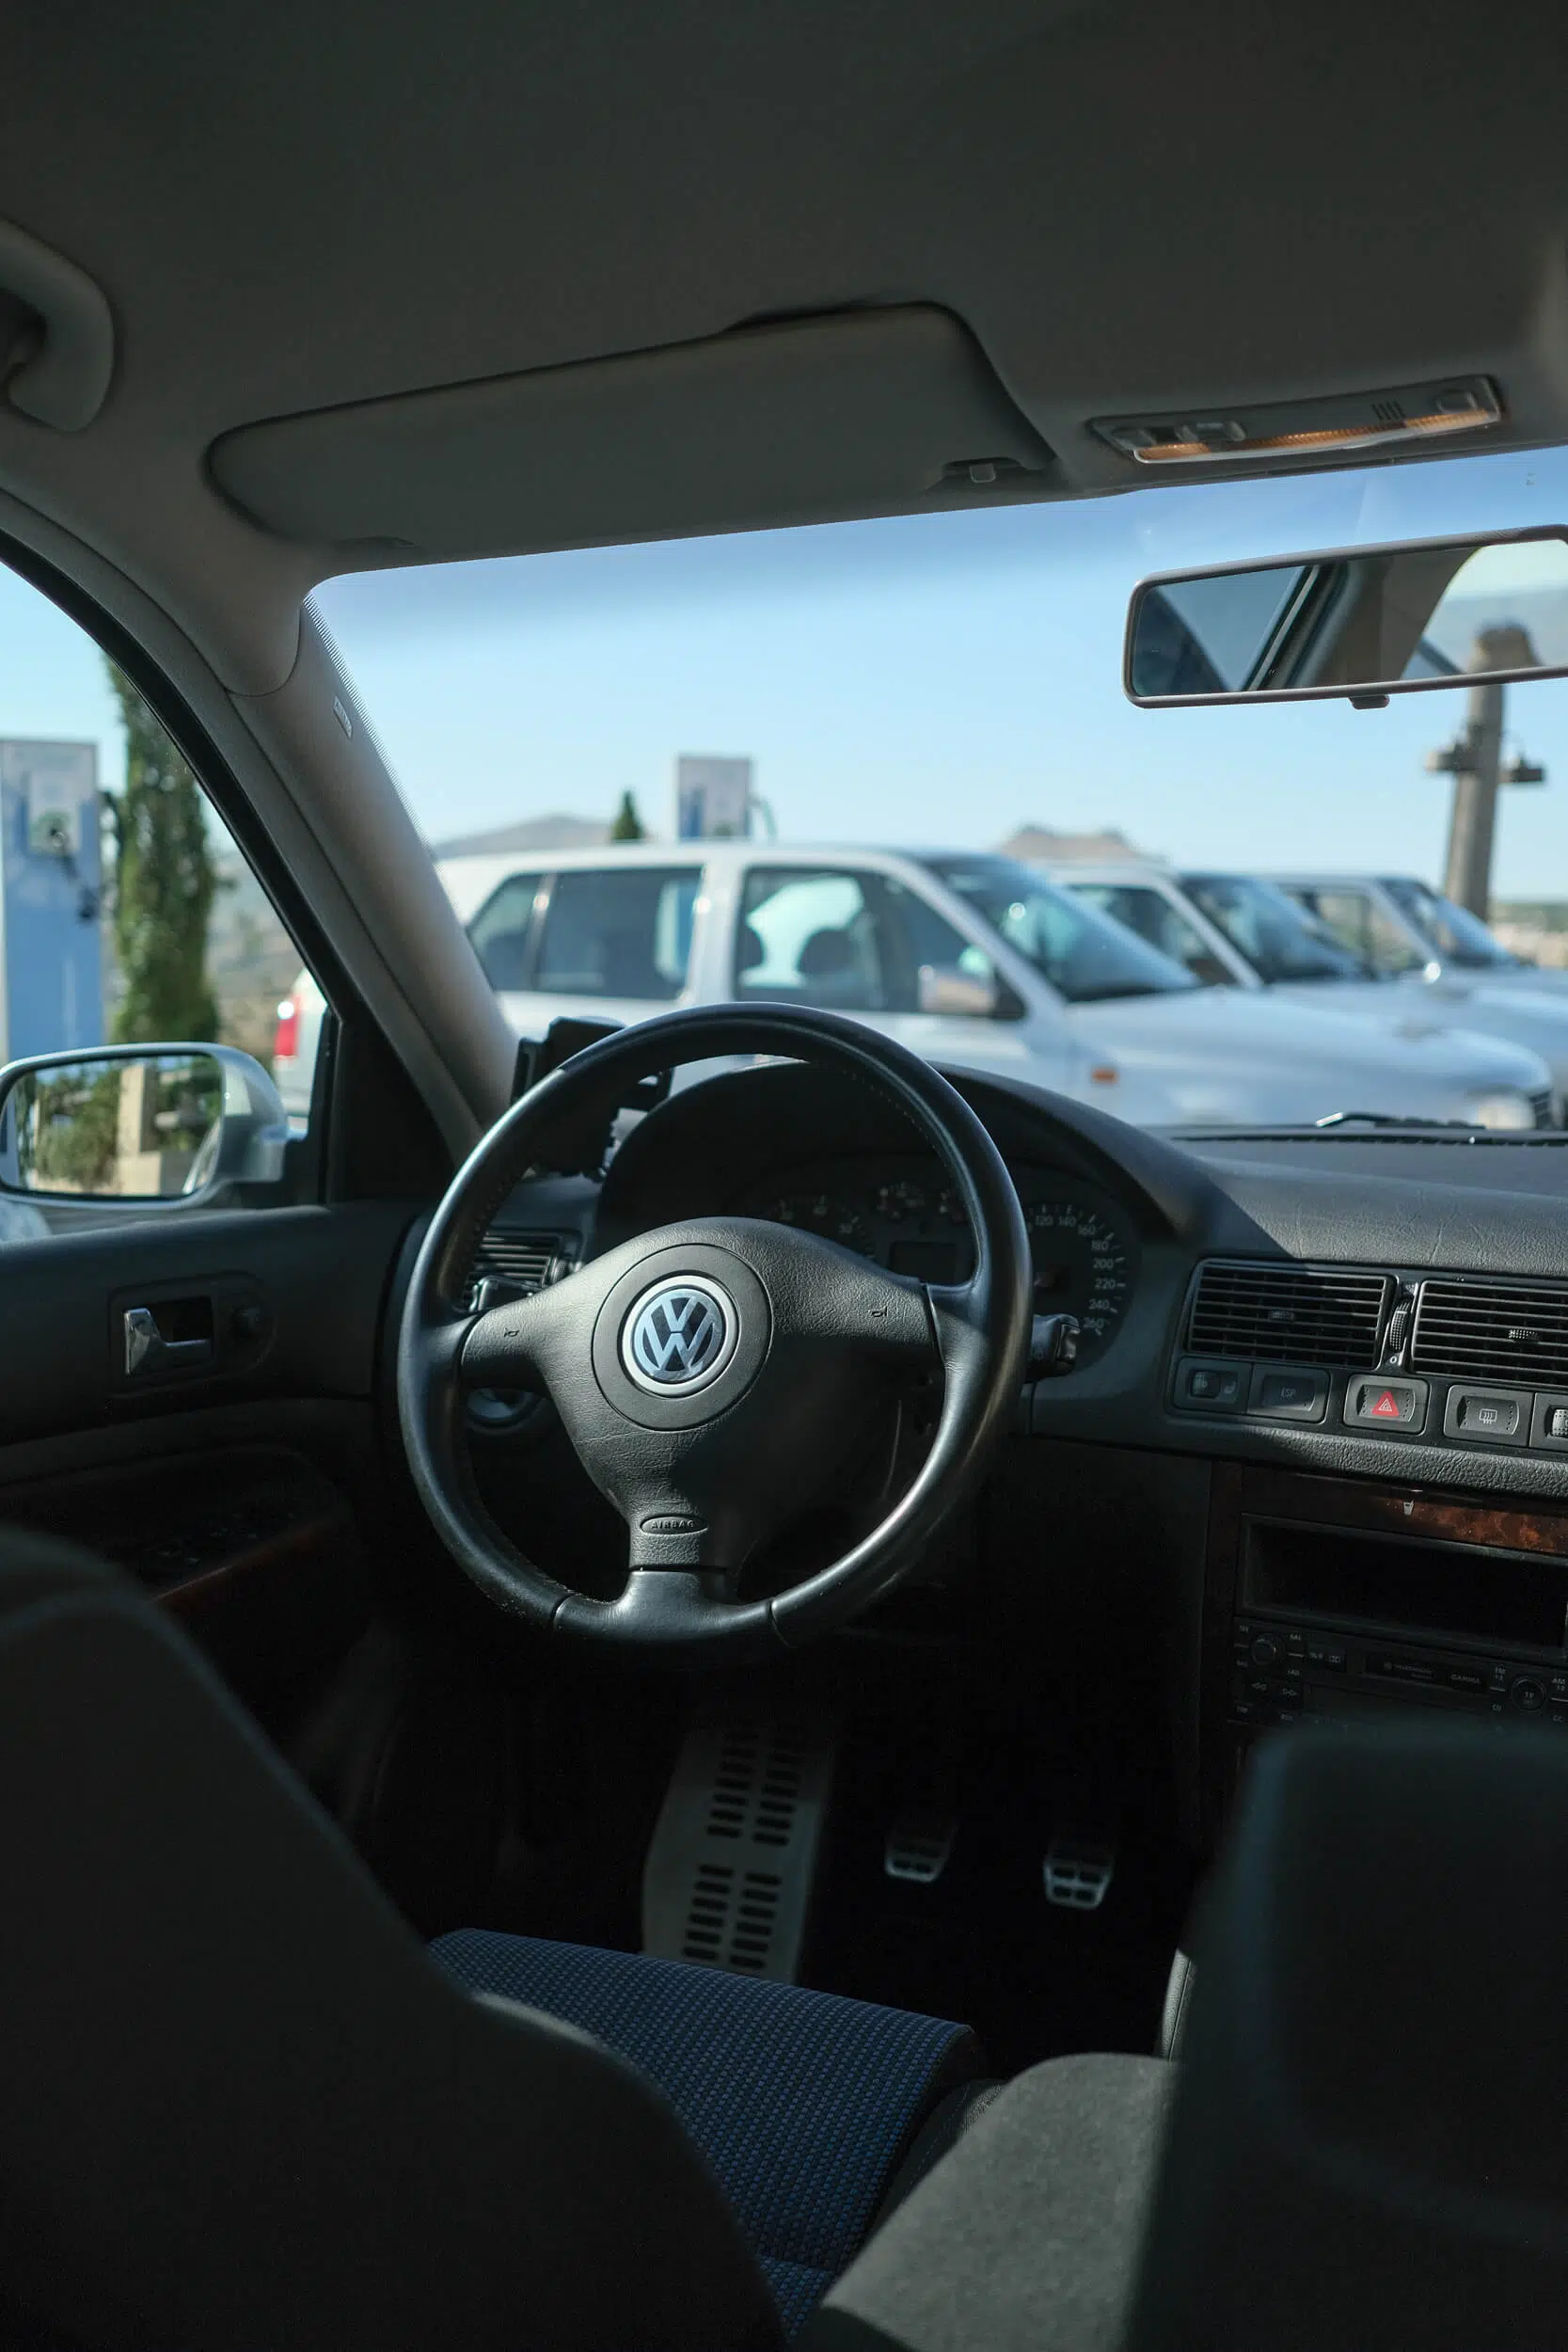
732, 1859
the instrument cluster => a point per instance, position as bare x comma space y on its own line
907, 1216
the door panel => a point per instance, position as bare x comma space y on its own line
317, 1275
244, 1490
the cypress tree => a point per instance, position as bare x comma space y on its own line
163, 886
628, 825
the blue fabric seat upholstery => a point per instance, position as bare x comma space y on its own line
802, 2103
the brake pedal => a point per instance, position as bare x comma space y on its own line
733, 1860
1078, 1873
918, 1846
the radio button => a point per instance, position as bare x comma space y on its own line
1266, 1650
1466, 1679
1528, 1694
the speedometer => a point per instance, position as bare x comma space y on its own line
1085, 1261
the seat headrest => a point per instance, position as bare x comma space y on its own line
1369, 2144
825, 954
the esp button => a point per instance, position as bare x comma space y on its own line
1288, 1395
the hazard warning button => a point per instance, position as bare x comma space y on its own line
1374, 1404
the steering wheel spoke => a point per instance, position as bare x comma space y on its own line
884, 1318
511, 1346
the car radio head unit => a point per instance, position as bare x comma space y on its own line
1330, 1600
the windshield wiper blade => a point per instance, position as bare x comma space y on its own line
1388, 1118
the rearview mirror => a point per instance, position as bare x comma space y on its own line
1358, 622
139, 1124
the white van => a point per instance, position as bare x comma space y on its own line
974, 960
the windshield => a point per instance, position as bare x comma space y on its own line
713, 768
1087, 957
1458, 936
1278, 939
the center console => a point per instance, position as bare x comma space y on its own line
1332, 1600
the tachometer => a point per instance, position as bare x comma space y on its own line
1084, 1263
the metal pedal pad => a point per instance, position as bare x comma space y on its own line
918, 1846
732, 1859
1078, 1873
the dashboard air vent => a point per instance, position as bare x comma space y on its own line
1293, 1314
1504, 1331
518, 1257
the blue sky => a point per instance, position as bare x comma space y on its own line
937, 679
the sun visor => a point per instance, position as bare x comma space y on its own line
795, 421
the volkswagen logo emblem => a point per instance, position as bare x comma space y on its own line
679, 1335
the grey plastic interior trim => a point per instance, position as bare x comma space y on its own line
771, 424
65, 382
393, 924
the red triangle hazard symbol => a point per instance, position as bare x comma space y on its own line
1388, 1407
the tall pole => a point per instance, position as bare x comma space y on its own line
1475, 761
1474, 821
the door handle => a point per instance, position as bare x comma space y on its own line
147, 1351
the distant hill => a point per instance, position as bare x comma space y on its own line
534, 833
1039, 845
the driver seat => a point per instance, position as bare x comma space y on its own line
240, 2107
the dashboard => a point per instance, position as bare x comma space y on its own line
901, 1211
1314, 1446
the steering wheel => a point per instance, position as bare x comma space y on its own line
712, 1375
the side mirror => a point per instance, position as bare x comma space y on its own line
1363, 623
134, 1123
946, 988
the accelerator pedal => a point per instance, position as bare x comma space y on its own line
1078, 1873
732, 1861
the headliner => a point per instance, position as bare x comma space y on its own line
323, 202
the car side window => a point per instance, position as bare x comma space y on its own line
502, 932
1151, 914
619, 933
1361, 925
128, 913
855, 941
811, 937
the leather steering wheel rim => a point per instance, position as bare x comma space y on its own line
814, 1329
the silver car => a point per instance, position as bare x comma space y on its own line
1235, 931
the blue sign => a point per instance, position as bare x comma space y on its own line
51, 891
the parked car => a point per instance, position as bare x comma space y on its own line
974, 960
1234, 930
1404, 928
